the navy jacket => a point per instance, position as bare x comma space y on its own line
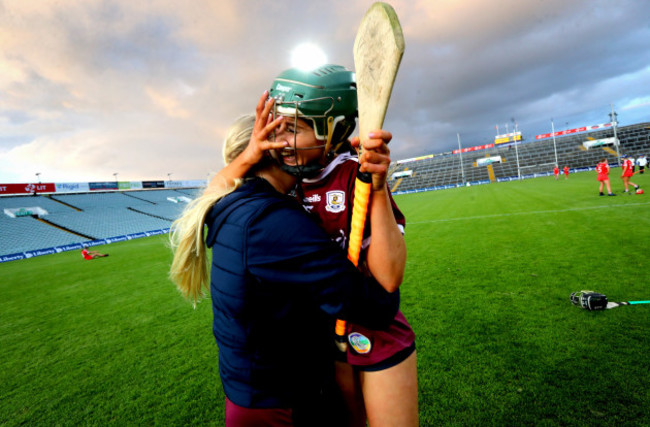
277, 283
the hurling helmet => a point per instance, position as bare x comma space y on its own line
327, 96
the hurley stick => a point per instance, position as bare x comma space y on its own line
612, 304
378, 51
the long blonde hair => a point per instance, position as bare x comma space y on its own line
189, 269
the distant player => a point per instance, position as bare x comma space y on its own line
566, 172
642, 162
556, 172
628, 171
603, 177
88, 255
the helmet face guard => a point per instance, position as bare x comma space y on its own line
299, 170
589, 300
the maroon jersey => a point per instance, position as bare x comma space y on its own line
330, 198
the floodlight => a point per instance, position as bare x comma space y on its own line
307, 56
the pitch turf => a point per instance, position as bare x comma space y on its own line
490, 270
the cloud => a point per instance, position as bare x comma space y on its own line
91, 88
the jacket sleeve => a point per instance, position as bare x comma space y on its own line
286, 247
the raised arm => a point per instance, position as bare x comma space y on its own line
386, 257
259, 144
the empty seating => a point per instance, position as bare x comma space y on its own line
75, 218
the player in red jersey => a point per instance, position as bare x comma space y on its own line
627, 173
602, 169
88, 255
556, 172
566, 172
318, 108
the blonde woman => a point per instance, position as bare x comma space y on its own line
378, 372
276, 284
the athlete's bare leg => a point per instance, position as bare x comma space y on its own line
391, 395
609, 187
350, 387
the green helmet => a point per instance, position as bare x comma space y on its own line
326, 95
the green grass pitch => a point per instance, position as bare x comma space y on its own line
489, 273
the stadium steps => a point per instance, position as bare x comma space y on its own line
150, 214
60, 227
399, 181
610, 151
65, 204
491, 173
190, 192
138, 198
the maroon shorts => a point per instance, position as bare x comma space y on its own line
238, 416
368, 348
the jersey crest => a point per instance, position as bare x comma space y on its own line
335, 201
360, 343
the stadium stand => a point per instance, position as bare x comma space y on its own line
536, 158
66, 219
27, 233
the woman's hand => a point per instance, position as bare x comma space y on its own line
375, 156
263, 129
259, 144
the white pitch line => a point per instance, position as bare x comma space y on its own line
527, 213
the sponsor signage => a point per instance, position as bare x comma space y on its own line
574, 130
402, 174
599, 142
184, 184
129, 185
488, 160
109, 185
415, 159
72, 247
476, 148
12, 257
27, 188
116, 239
508, 137
153, 184
72, 187
26, 211
179, 199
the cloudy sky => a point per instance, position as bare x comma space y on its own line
143, 89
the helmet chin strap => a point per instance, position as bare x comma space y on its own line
305, 148
300, 172
330, 134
